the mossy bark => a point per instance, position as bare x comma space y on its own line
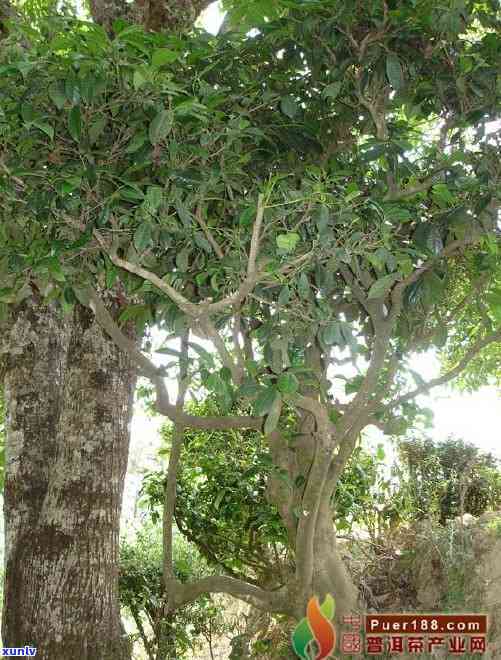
68, 392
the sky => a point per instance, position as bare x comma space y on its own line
474, 417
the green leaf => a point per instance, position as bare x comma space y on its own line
202, 242
332, 90
57, 95
273, 417
493, 299
303, 286
154, 197
394, 71
183, 259
27, 113
139, 78
352, 192
205, 356
417, 378
45, 128
111, 276
353, 385
397, 214
219, 499
287, 242
247, 216
434, 242
75, 123
131, 192
284, 295
442, 194
69, 184
96, 129
184, 214
322, 217
55, 270
82, 295
136, 143
331, 334
160, 127
289, 107
163, 56
287, 383
142, 236
165, 350
381, 286
265, 401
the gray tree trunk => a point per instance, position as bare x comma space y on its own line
331, 574
68, 394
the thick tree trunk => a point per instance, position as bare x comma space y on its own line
330, 573
68, 393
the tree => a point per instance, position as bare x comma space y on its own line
2, 439
449, 479
66, 456
297, 197
69, 399
225, 507
68, 394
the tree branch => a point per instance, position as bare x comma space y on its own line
235, 368
185, 593
155, 374
396, 195
448, 375
236, 331
310, 505
198, 310
208, 234
372, 308
315, 407
172, 470
358, 406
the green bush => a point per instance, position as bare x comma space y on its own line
141, 594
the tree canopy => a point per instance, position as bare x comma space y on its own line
305, 195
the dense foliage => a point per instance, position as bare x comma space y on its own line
141, 134
222, 506
141, 593
449, 479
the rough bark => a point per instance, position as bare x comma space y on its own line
172, 16
153, 15
105, 12
68, 392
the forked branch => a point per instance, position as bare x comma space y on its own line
155, 374
204, 308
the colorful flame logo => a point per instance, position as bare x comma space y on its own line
315, 627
